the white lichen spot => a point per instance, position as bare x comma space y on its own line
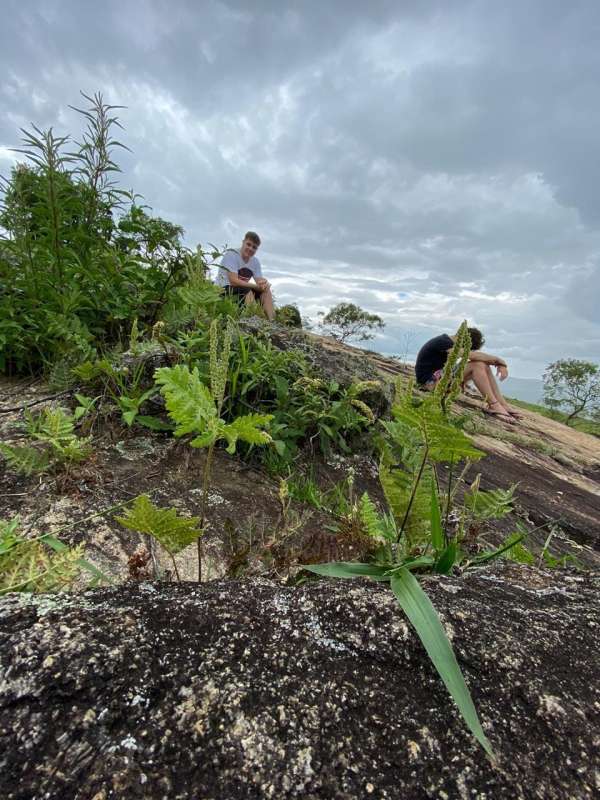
550, 706
414, 750
129, 743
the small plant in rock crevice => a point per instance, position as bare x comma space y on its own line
41, 563
53, 443
174, 533
418, 535
196, 410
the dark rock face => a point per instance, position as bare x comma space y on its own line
250, 690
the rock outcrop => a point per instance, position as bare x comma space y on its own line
253, 690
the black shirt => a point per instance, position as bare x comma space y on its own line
432, 356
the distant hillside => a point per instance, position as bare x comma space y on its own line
528, 389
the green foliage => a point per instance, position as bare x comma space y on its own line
419, 438
25, 459
289, 316
41, 564
171, 531
573, 386
196, 409
54, 442
418, 608
71, 276
493, 504
348, 321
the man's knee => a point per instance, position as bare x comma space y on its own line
478, 367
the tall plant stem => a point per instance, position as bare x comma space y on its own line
448, 502
175, 566
413, 493
205, 485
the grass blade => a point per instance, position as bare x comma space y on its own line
418, 608
346, 569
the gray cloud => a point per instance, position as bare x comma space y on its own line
430, 161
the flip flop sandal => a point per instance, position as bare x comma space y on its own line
506, 416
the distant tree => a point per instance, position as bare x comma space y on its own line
572, 386
347, 321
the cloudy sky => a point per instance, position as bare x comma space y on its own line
430, 161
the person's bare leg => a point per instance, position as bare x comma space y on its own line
479, 373
266, 300
498, 394
249, 298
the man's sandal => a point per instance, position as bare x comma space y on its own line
505, 415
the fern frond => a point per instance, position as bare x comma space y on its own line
369, 517
26, 460
493, 504
53, 425
249, 429
188, 401
30, 566
172, 532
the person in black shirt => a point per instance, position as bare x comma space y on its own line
433, 355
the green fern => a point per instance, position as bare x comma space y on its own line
493, 504
174, 533
28, 565
55, 428
192, 408
26, 459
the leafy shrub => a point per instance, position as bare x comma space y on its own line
72, 277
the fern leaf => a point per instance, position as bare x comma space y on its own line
29, 566
26, 460
249, 429
369, 517
493, 504
188, 401
174, 533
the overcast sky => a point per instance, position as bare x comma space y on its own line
429, 161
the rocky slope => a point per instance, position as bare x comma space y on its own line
249, 690
556, 469
253, 689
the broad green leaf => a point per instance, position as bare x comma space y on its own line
346, 569
279, 446
128, 417
447, 559
154, 423
418, 608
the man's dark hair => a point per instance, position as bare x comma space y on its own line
477, 340
254, 237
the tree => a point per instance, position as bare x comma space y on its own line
573, 386
347, 321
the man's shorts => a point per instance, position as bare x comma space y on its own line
238, 292
431, 382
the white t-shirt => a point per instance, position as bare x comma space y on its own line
234, 262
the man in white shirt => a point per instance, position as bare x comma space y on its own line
240, 274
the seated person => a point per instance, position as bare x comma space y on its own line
241, 276
433, 355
